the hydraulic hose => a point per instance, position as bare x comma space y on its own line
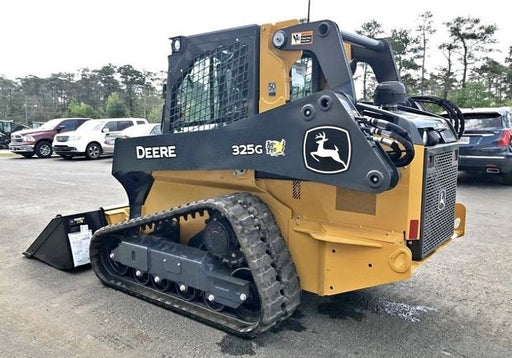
453, 112
391, 135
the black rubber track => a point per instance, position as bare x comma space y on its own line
260, 242
277, 249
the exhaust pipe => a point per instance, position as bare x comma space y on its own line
492, 171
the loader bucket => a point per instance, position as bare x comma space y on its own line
64, 243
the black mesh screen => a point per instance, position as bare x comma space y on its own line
213, 92
439, 199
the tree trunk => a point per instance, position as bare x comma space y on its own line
465, 63
423, 59
365, 73
447, 77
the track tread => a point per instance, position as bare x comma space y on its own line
276, 246
260, 241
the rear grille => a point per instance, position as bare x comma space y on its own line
439, 198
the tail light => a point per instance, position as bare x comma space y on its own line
506, 138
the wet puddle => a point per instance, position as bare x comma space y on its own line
355, 305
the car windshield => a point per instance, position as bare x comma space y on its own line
92, 125
477, 121
50, 124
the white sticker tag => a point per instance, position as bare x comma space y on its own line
79, 242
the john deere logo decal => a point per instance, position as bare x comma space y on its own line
327, 150
441, 200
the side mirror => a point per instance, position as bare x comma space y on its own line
61, 128
105, 130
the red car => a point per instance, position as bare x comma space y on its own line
38, 141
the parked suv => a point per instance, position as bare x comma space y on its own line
486, 145
88, 139
28, 142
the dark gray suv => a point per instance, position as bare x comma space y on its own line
486, 145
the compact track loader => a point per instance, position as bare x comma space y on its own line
271, 178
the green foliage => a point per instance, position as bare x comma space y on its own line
433, 108
77, 109
472, 37
424, 30
10, 100
134, 82
155, 116
473, 95
115, 107
406, 56
85, 93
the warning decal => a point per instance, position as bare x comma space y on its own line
302, 38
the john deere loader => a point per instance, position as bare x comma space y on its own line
271, 178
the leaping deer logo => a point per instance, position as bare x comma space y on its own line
322, 152
331, 158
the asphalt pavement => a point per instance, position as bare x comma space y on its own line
456, 305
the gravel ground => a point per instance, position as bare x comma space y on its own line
456, 305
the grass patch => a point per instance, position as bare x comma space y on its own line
6, 154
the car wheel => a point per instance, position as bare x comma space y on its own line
93, 151
28, 155
507, 178
43, 150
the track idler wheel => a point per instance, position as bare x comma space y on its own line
116, 267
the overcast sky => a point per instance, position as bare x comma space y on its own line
41, 37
